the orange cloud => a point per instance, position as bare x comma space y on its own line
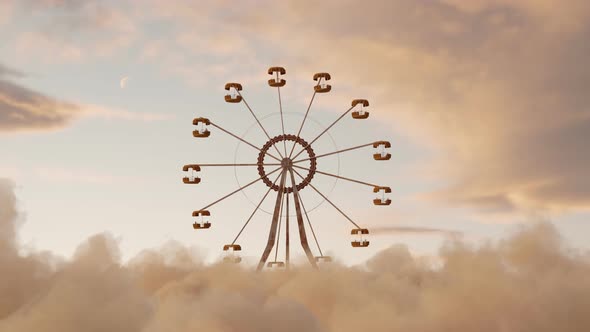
529, 282
497, 86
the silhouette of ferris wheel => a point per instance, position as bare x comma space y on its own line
287, 165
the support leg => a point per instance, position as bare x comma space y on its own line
273, 228
287, 255
302, 235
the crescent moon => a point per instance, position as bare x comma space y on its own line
123, 82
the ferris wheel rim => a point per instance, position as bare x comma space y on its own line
281, 138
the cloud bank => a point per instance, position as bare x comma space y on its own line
409, 230
529, 282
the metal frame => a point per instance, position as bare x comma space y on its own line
289, 183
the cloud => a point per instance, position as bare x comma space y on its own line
10, 72
414, 231
74, 30
501, 90
497, 86
24, 109
529, 282
8, 215
22, 277
500, 87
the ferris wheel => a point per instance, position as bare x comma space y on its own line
287, 165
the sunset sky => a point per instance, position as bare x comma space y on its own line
485, 102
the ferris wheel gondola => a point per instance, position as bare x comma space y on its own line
276, 265
232, 253
202, 131
360, 240
382, 200
233, 95
321, 78
202, 219
191, 177
361, 113
276, 81
382, 146
323, 259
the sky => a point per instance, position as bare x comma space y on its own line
485, 103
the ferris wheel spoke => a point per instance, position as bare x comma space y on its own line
333, 153
239, 189
240, 165
329, 201
287, 234
256, 209
282, 119
339, 177
309, 223
323, 132
304, 118
241, 139
259, 124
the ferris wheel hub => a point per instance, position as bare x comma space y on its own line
287, 163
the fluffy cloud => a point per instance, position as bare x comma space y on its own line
498, 86
530, 282
8, 72
414, 230
8, 215
501, 88
24, 109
